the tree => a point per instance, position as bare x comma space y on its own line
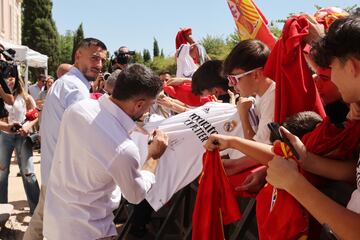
161, 64
233, 39
138, 58
215, 46
274, 29
156, 50
78, 37
66, 47
39, 30
162, 53
146, 55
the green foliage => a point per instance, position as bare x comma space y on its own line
213, 45
160, 64
156, 48
138, 58
275, 29
146, 55
66, 47
39, 30
162, 53
233, 39
78, 37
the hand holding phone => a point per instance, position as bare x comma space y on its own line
275, 129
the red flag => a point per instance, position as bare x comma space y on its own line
250, 22
215, 203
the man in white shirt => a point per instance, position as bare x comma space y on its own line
37, 87
95, 153
70, 88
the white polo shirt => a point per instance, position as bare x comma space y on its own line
70, 88
94, 153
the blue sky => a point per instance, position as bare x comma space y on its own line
135, 23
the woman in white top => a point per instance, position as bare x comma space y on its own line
17, 139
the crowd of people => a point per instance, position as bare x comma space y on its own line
90, 121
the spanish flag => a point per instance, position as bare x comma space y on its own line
250, 22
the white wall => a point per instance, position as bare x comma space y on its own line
10, 21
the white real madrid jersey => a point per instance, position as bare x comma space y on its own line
182, 161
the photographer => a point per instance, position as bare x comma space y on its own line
122, 58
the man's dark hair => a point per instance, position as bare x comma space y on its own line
341, 41
136, 80
208, 76
41, 77
300, 123
247, 55
87, 42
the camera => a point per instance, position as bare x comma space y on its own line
123, 57
7, 67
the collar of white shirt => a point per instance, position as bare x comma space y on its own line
75, 71
117, 112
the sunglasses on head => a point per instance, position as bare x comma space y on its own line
234, 79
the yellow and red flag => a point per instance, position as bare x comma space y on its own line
250, 22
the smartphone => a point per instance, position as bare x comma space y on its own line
274, 128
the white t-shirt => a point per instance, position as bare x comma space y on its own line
185, 65
354, 203
94, 154
264, 108
17, 111
182, 161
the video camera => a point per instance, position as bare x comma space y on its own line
123, 57
7, 67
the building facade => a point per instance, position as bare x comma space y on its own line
10, 21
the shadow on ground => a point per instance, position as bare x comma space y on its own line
15, 227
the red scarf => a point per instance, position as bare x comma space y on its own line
333, 142
295, 89
215, 203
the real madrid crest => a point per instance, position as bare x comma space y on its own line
230, 126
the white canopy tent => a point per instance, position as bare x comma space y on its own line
28, 57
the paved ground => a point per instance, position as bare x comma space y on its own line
20, 217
